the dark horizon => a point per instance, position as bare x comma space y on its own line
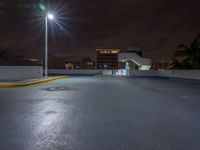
158, 27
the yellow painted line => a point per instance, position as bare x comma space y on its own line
24, 84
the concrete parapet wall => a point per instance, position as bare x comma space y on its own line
182, 74
27, 72
73, 72
20, 72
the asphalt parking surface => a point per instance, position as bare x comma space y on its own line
101, 113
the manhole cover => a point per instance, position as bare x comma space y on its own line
50, 112
59, 88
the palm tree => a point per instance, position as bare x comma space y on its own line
187, 57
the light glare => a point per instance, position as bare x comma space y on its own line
50, 16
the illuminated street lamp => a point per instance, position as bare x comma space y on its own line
50, 17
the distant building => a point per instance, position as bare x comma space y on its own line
87, 63
57, 63
161, 65
107, 58
69, 66
77, 64
8, 58
134, 60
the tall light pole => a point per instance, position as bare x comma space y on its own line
50, 17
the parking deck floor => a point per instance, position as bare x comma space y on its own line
101, 113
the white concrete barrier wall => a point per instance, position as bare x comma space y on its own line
189, 74
27, 72
20, 72
73, 72
145, 73
166, 73
182, 74
107, 72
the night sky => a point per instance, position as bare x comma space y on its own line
157, 26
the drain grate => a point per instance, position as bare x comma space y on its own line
59, 88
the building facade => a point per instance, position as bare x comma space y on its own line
107, 58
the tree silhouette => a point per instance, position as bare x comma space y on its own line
187, 57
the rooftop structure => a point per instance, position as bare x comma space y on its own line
134, 55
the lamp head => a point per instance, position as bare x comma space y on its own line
50, 16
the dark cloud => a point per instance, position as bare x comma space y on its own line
157, 26
162, 40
